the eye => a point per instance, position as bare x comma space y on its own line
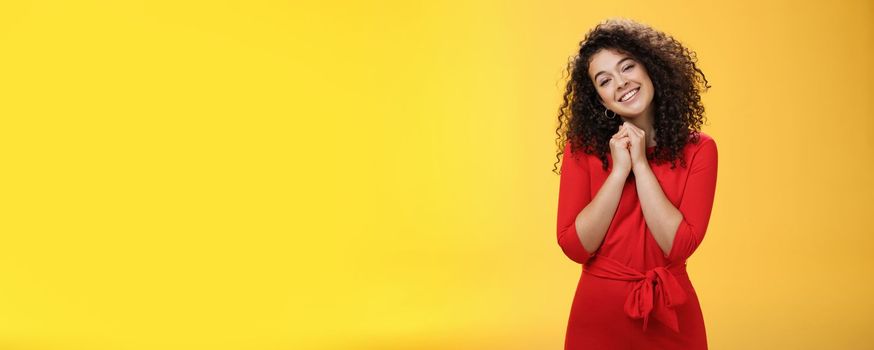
604, 81
628, 67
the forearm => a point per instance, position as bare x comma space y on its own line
593, 221
661, 216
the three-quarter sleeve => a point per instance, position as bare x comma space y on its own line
697, 202
573, 195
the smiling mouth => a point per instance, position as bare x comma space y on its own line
629, 95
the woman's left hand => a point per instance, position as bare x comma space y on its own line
637, 145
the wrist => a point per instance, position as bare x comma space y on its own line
621, 172
640, 165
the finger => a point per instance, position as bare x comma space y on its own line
623, 141
619, 131
623, 131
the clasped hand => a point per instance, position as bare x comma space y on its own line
628, 147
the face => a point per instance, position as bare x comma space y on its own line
615, 75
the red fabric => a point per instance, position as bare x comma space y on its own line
656, 291
629, 279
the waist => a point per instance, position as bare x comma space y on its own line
603, 266
655, 292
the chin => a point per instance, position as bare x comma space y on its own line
630, 113
633, 112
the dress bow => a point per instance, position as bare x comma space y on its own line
655, 293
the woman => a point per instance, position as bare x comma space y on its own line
631, 217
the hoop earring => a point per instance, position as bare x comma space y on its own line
609, 117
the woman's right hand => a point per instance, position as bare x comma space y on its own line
619, 144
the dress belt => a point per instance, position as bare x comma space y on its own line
655, 292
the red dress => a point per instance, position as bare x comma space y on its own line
630, 294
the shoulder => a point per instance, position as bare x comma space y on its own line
704, 137
578, 154
702, 153
568, 153
705, 142
577, 158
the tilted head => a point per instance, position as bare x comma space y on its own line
631, 55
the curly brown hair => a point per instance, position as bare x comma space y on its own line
678, 112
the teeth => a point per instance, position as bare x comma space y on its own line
628, 95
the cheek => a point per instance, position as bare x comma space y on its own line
604, 96
646, 79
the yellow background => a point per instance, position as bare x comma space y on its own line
377, 175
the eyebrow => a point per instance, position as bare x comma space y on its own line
618, 63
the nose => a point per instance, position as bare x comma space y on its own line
621, 82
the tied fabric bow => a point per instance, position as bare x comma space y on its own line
656, 292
